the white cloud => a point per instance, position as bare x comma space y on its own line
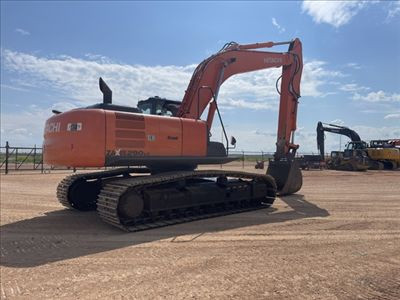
339, 13
389, 110
379, 102
264, 133
77, 79
392, 116
335, 13
368, 133
353, 87
315, 75
337, 122
279, 27
22, 31
97, 57
379, 96
393, 10
230, 103
15, 88
352, 65
257, 90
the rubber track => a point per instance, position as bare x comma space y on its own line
67, 182
108, 199
62, 190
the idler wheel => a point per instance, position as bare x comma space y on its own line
131, 205
82, 195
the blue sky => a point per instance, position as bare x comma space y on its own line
53, 53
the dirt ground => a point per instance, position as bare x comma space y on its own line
339, 238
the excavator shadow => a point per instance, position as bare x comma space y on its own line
67, 234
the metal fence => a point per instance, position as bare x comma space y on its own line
14, 158
249, 158
21, 158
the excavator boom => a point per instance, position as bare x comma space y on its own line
234, 59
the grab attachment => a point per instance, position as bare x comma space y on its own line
287, 176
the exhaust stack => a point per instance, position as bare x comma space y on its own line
107, 92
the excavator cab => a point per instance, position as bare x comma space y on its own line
151, 106
361, 145
158, 106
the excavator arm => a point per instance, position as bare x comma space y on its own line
234, 59
334, 129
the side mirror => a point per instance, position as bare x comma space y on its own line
233, 141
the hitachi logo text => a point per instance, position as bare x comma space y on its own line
52, 127
273, 60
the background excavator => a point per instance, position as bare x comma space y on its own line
171, 141
358, 154
351, 159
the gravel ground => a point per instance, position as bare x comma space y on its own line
339, 238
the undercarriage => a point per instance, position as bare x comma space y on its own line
131, 200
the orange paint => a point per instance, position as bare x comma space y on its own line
104, 131
75, 148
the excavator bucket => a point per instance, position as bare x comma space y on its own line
287, 176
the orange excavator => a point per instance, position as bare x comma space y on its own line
161, 186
